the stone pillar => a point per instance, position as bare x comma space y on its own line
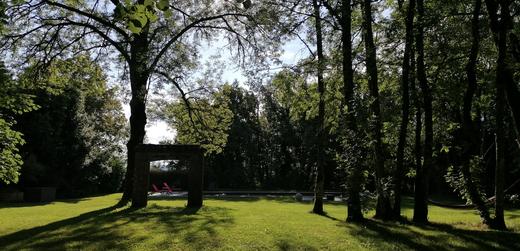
196, 177
141, 180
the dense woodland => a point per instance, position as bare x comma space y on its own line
394, 98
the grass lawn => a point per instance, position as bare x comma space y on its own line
248, 224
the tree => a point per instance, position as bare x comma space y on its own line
422, 174
143, 34
469, 127
15, 100
354, 212
74, 141
203, 120
239, 165
352, 143
405, 89
288, 132
501, 24
320, 167
383, 207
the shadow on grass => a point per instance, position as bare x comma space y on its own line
35, 204
285, 244
431, 237
109, 228
23, 204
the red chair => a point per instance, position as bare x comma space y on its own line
167, 188
155, 189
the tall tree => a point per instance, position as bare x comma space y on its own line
383, 207
469, 129
320, 167
354, 180
405, 102
351, 144
141, 33
501, 24
422, 174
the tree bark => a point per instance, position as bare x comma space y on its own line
512, 91
502, 78
505, 92
354, 179
405, 116
422, 176
470, 132
498, 221
320, 168
383, 207
418, 115
138, 80
513, 99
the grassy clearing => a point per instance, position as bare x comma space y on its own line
252, 224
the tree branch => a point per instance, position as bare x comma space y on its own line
91, 16
183, 31
101, 34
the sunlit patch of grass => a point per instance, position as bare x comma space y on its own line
237, 224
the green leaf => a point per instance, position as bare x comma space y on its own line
140, 18
147, 3
134, 29
163, 5
151, 16
140, 9
168, 13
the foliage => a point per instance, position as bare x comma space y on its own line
204, 121
239, 164
456, 181
14, 100
74, 141
10, 159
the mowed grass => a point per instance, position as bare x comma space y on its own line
237, 224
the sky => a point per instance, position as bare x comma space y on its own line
158, 130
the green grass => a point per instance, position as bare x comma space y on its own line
249, 224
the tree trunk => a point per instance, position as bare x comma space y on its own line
504, 84
422, 176
513, 99
470, 132
138, 80
513, 93
354, 179
498, 221
383, 207
320, 172
418, 114
502, 78
506, 24
405, 88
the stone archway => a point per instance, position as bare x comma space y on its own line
145, 153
